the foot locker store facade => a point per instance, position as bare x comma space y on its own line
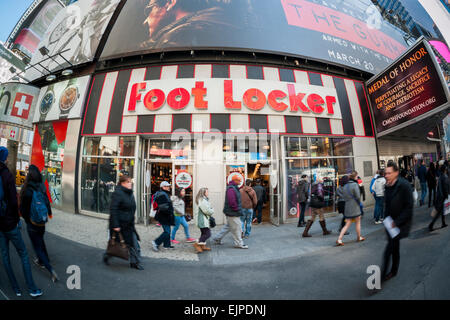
196, 125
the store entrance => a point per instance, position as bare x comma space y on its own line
261, 172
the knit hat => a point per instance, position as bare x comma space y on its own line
3, 154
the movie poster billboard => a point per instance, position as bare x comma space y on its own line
351, 33
409, 90
75, 33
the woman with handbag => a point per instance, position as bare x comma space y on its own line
204, 216
33, 183
352, 211
121, 221
317, 203
180, 215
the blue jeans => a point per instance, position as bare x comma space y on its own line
246, 220
183, 222
164, 237
423, 186
379, 208
16, 238
36, 235
258, 211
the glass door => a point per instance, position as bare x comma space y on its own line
274, 185
146, 194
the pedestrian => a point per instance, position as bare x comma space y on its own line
10, 229
249, 201
317, 203
378, 187
233, 211
303, 195
422, 175
121, 219
164, 215
353, 210
441, 195
261, 194
372, 182
399, 205
179, 212
431, 183
341, 200
32, 189
204, 213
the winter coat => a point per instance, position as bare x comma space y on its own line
248, 197
164, 217
204, 212
378, 186
122, 213
178, 206
431, 178
11, 218
350, 193
233, 205
422, 174
442, 192
27, 197
399, 205
260, 193
302, 191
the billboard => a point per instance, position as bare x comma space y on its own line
409, 90
75, 33
62, 100
18, 103
351, 33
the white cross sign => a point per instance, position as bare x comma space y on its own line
22, 105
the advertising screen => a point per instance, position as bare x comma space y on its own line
351, 33
407, 91
75, 33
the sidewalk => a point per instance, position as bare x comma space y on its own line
266, 243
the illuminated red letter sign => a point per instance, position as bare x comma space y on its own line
256, 104
178, 98
228, 94
277, 106
330, 101
199, 92
154, 99
135, 95
315, 103
296, 100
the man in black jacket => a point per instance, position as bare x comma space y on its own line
164, 216
441, 196
399, 206
10, 230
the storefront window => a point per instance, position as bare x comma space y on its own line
167, 149
244, 149
337, 160
100, 172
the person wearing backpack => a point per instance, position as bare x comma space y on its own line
164, 215
249, 201
33, 201
352, 211
378, 188
10, 227
316, 204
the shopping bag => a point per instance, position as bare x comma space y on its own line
415, 195
433, 212
116, 248
447, 206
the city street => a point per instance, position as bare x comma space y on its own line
320, 272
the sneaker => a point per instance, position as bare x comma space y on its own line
175, 241
169, 247
155, 246
190, 240
37, 263
35, 294
244, 246
378, 222
217, 241
18, 293
254, 220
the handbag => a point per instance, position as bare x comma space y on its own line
316, 201
212, 222
116, 248
187, 217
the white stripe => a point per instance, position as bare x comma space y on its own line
129, 124
169, 72
104, 106
336, 126
354, 106
271, 74
309, 125
327, 81
276, 124
239, 122
200, 123
301, 77
238, 72
163, 123
203, 71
